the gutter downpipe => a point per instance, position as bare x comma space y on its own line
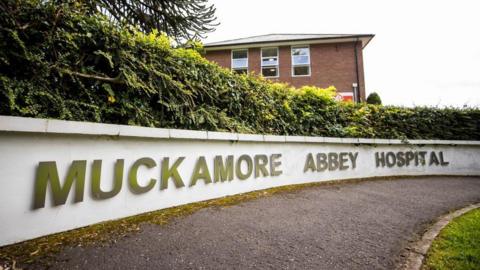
356, 89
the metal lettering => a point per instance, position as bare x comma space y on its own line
380, 159
409, 156
322, 163
132, 176
309, 163
391, 159
97, 192
171, 172
433, 159
274, 164
223, 172
401, 161
353, 159
47, 172
332, 161
442, 161
238, 169
422, 157
343, 159
261, 165
201, 172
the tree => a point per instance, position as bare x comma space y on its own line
374, 98
179, 19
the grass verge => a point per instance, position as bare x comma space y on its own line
457, 247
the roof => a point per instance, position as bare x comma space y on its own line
280, 39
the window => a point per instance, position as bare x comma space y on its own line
270, 62
240, 61
301, 61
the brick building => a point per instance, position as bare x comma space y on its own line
298, 59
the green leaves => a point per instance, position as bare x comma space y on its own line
60, 61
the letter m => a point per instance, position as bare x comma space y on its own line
47, 172
223, 172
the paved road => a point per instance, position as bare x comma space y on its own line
348, 226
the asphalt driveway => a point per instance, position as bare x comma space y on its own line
365, 225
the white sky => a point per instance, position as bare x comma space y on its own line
425, 52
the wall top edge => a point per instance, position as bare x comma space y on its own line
53, 126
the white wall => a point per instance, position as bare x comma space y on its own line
25, 142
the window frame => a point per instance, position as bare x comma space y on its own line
277, 66
231, 59
301, 65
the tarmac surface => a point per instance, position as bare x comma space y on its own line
365, 225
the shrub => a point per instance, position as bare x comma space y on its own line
59, 61
374, 98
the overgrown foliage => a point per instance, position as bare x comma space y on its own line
61, 61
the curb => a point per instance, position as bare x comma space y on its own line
418, 251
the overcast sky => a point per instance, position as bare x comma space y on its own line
424, 52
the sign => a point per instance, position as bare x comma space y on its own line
58, 175
219, 169
344, 96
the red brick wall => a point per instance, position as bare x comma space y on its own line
331, 64
254, 60
222, 58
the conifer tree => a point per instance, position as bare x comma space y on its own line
180, 19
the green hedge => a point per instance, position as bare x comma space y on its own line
66, 62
